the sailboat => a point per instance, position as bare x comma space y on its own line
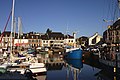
23, 65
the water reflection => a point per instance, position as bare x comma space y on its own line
100, 71
76, 63
90, 69
73, 68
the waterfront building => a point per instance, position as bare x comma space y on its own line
22, 40
52, 39
112, 36
6, 39
34, 39
69, 40
83, 41
45, 40
93, 40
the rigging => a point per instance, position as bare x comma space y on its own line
5, 26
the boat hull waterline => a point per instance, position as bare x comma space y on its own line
74, 54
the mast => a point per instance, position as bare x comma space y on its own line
19, 30
19, 27
12, 22
14, 26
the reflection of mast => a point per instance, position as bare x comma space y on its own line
76, 73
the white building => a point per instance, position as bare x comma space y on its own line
21, 42
94, 39
69, 40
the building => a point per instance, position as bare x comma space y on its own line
83, 41
22, 40
6, 39
34, 39
112, 36
93, 40
69, 40
52, 39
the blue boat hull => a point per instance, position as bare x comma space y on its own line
75, 54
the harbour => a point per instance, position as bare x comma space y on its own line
78, 69
60, 68
58, 55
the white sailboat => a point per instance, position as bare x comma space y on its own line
23, 63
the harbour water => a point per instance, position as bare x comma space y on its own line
88, 69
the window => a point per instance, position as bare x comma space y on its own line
51, 37
29, 40
43, 41
32, 40
51, 41
71, 40
36, 40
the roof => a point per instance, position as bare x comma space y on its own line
7, 33
44, 37
68, 36
56, 34
117, 23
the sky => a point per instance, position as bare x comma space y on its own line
85, 17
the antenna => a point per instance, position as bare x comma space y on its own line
74, 33
67, 30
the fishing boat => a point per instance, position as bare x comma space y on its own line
73, 53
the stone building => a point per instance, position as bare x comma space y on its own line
112, 36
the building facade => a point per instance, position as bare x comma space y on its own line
52, 39
93, 40
6, 39
83, 41
112, 36
69, 40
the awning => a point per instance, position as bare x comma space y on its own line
20, 44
